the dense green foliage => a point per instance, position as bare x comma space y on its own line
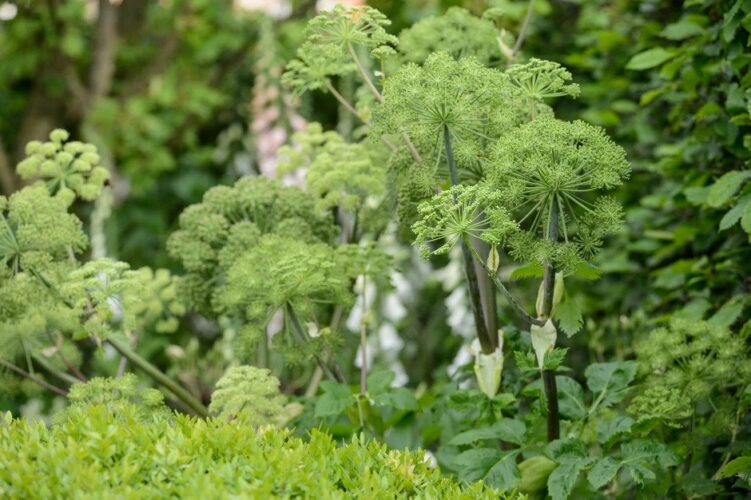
512, 233
97, 449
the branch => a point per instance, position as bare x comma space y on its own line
487, 342
33, 378
159, 377
103, 61
8, 177
548, 280
523, 30
502, 288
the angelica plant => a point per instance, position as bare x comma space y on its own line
50, 298
331, 49
542, 200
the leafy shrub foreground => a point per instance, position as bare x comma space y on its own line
94, 451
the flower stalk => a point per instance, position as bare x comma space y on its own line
548, 376
487, 343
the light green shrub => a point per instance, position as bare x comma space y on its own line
93, 453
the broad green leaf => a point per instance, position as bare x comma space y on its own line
504, 475
734, 214
379, 381
566, 450
638, 457
740, 465
335, 399
603, 472
649, 59
612, 427
609, 381
495, 467
531, 270
570, 398
725, 187
563, 479
400, 398
474, 465
728, 313
506, 429
569, 317
681, 30
746, 219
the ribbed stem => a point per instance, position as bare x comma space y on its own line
159, 377
548, 376
487, 342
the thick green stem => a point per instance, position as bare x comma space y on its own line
504, 291
68, 379
548, 376
159, 377
488, 342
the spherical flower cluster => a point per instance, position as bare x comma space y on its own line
69, 169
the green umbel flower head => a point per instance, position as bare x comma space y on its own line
231, 220
539, 80
337, 173
472, 101
69, 169
694, 358
457, 32
332, 39
36, 230
460, 212
549, 166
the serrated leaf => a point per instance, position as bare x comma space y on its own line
725, 187
335, 399
379, 381
609, 381
613, 427
504, 475
495, 467
532, 270
563, 479
474, 465
506, 429
554, 358
587, 271
603, 472
639, 457
570, 398
569, 317
649, 59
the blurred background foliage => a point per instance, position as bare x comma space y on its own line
182, 95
